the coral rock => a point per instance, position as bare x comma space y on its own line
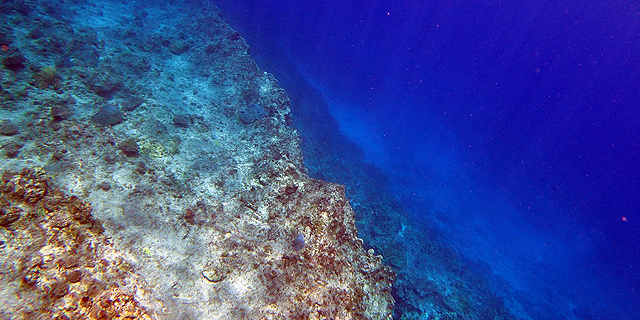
109, 115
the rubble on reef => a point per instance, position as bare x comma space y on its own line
193, 203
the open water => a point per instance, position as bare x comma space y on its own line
508, 131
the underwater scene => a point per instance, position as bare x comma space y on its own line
198, 159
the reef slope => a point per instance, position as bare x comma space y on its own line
150, 170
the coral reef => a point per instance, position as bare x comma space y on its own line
55, 260
201, 189
324, 252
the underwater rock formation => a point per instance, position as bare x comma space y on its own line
108, 115
159, 216
56, 262
252, 113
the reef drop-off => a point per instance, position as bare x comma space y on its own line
209, 216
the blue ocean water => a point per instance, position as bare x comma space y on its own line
510, 129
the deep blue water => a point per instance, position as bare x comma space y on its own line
513, 128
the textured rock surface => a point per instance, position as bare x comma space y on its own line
56, 262
108, 115
201, 221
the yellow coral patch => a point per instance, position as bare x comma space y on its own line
155, 149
